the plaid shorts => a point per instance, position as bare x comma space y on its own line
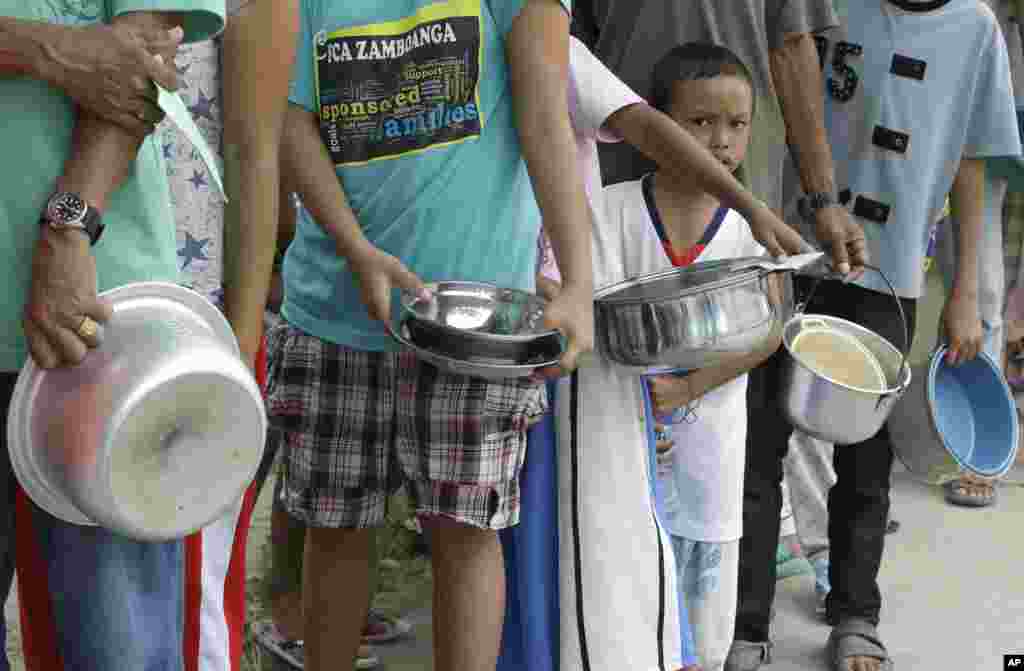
354, 425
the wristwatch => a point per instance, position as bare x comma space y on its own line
69, 211
812, 202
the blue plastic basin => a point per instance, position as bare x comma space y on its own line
974, 413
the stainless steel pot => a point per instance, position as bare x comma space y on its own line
832, 411
155, 434
695, 316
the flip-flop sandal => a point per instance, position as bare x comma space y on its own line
748, 656
381, 628
294, 652
856, 638
962, 498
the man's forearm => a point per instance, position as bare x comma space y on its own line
967, 201
538, 55
22, 51
102, 153
679, 153
796, 72
309, 167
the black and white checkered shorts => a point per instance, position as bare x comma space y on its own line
354, 425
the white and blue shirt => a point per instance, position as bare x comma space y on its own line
907, 95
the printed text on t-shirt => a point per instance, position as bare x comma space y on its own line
390, 89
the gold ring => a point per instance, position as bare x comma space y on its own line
88, 329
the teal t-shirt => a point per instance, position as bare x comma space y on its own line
138, 243
415, 110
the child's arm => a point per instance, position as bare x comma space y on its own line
256, 60
538, 60
670, 392
961, 318
676, 151
310, 169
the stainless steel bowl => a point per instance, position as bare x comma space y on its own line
478, 322
487, 370
692, 317
156, 434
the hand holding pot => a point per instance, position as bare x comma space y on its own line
571, 312
669, 393
962, 323
378, 273
62, 300
844, 239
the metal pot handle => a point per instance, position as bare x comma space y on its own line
905, 352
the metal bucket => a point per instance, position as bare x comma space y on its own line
954, 419
829, 410
156, 434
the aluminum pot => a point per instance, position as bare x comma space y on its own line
695, 316
832, 411
156, 434
480, 323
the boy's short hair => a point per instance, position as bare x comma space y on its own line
690, 62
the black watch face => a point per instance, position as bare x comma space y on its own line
66, 208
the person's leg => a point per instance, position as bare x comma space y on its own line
469, 595
708, 575
336, 594
789, 557
808, 469
462, 442
858, 504
334, 408
287, 548
116, 603
8, 489
767, 442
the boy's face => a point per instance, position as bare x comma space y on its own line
717, 112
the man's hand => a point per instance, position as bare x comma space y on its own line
669, 393
378, 273
110, 69
62, 293
962, 323
844, 240
773, 234
571, 311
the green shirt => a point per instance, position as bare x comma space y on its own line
139, 242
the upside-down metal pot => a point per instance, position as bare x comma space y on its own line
156, 434
694, 316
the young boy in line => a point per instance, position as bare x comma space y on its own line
619, 610
708, 91
422, 137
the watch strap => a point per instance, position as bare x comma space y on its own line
92, 223
809, 205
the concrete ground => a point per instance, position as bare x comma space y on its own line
952, 581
